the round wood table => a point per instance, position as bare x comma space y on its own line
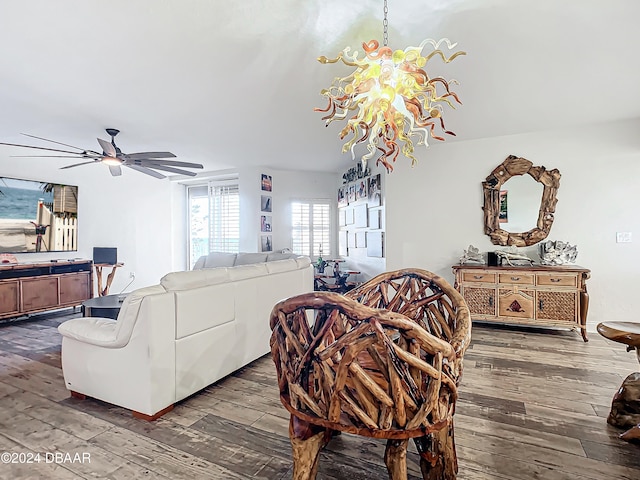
625, 408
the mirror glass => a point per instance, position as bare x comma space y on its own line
520, 199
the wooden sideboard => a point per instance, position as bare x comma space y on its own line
35, 287
550, 296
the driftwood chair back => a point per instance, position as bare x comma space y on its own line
383, 361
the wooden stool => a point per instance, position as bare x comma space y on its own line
625, 408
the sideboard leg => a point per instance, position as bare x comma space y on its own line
584, 307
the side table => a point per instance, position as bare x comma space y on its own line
98, 266
107, 306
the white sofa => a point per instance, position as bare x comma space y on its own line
173, 339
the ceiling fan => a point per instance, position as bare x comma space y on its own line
112, 156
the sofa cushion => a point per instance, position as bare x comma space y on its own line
278, 266
250, 258
242, 272
272, 257
194, 279
215, 259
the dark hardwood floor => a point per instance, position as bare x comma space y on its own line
533, 406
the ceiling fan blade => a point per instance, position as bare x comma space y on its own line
170, 169
79, 155
115, 170
41, 148
152, 161
52, 141
78, 164
144, 155
147, 171
107, 148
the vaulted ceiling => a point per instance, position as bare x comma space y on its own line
234, 83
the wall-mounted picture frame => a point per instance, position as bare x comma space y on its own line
351, 239
266, 183
375, 241
266, 243
374, 191
342, 243
265, 223
360, 213
361, 189
374, 219
342, 197
265, 203
342, 218
361, 240
349, 219
351, 193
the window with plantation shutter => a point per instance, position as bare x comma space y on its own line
311, 227
214, 218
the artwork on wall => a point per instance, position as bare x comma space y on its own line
265, 203
374, 219
342, 243
374, 191
503, 216
267, 183
351, 193
351, 240
375, 244
360, 213
342, 218
361, 240
265, 223
266, 243
349, 216
361, 189
342, 197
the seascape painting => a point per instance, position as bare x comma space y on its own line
37, 216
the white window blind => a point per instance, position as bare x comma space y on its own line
214, 218
311, 227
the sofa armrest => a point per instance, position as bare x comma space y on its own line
93, 330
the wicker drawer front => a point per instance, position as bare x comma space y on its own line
516, 278
481, 301
556, 305
479, 277
557, 280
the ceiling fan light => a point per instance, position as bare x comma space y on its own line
111, 161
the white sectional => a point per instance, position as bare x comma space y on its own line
173, 339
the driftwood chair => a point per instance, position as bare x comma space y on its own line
383, 361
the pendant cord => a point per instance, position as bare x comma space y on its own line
385, 25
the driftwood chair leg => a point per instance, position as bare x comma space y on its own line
438, 460
306, 442
395, 457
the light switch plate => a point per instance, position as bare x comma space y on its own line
623, 237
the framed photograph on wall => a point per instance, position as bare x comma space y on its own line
351, 240
360, 212
361, 240
342, 243
342, 197
265, 223
342, 217
351, 193
266, 183
374, 191
374, 219
266, 243
348, 216
361, 189
375, 244
265, 203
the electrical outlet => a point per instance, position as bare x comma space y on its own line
623, 237
132, 274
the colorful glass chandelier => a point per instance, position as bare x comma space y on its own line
390, 100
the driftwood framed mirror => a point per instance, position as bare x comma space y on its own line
496, 202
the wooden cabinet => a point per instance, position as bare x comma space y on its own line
537, 295
35, 287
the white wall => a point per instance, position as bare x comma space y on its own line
434, 211
133, 212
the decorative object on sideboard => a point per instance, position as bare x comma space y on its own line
557, 253
512, 255
112, 156
8, 259
393, 97
494, 184
471, 254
